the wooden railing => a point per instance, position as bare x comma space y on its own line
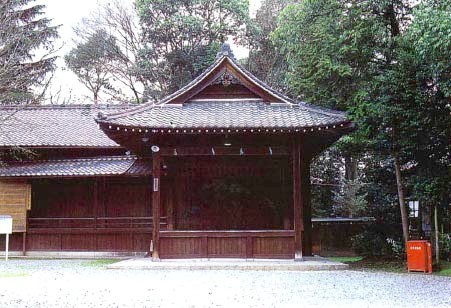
93, 224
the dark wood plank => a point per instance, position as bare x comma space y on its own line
273, 247
227, 233
177, 248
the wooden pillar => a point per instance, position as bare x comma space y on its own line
307, 207
156, 172
170, 205
297, 199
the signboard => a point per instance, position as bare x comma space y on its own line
6, 227
15, 200
6, 224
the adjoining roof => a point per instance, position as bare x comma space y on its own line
97, 166
272, 110
54, 126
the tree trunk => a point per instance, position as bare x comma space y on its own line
96, 97
350, 168
136, 95
402, 206
437, 247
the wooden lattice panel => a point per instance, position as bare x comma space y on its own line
15, 200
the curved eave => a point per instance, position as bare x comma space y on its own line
109, 128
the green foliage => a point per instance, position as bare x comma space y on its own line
325, 174
445, 246
374, 242
350, 200
327, 46
24, 32
90, 61
98, 262
387, 64
181, 39
265, 61
346, 259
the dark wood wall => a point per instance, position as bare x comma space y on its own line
114, 214
91, 214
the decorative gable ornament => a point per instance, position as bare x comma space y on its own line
227, 79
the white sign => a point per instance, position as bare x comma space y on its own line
6, 224
6, 227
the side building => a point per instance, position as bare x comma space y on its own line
68, 186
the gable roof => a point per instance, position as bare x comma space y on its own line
270, 109
240, 114
53, 126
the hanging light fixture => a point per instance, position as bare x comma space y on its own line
227, 142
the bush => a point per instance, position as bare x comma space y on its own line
371, 243
444, 240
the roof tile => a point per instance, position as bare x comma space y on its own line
53, 126
97, 166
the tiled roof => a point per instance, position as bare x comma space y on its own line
280, 112
226, 114
54, 126
98, 166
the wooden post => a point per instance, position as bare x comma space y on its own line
306, 207
297, 199
156, 171
7, 246
24, 243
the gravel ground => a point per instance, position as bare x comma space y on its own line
81, 283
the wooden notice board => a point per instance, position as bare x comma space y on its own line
15, 200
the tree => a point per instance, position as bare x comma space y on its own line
265, 61
343, 54
26, 47
90, 61
181, 39
120, 21
350, 201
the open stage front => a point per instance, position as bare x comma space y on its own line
235, 207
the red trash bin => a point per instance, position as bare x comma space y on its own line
419, 256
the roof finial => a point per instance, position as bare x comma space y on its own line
226, 51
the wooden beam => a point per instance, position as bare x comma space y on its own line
297, 199
156, 189
226, 151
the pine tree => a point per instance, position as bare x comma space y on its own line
26, 46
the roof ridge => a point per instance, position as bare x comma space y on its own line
65, 106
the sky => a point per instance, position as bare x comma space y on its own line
68, 14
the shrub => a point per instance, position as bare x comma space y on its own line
444, 240
371, 243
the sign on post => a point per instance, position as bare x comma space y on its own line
6, 227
